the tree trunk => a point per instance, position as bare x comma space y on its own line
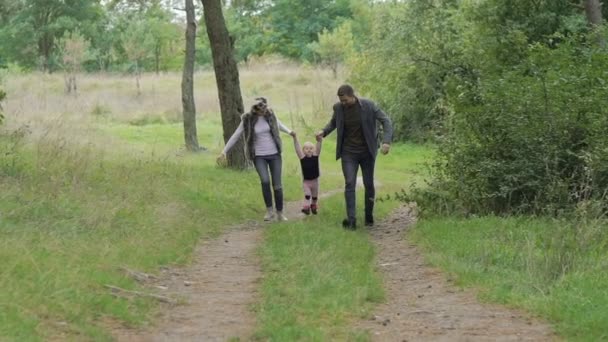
157, 52
227, 78
189, 109
45, 45
137, 78
593, 10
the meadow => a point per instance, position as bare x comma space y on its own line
99, 180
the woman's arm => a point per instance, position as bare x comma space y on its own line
283, 128
234, 138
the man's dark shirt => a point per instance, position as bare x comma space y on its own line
354, 140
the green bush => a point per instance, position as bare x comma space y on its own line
532, 138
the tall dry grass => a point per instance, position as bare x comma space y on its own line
40, 98
79, 199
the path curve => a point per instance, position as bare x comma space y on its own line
422, 305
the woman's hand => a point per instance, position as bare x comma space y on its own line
293, 134
221, 160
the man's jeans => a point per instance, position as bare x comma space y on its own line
350, 167
272, 162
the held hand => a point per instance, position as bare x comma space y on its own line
385, 148
293, 134
221, 160
319, 138
319, 135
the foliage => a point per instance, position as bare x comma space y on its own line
30, 29
283, 26
511, 92
409, 88
135, 40
29, 32
334, 47
533, 139
73, 48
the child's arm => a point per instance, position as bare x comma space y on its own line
296, 144
319, 144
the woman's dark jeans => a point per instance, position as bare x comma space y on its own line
262, 165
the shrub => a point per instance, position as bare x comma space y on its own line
531, 138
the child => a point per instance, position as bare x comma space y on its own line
309, 160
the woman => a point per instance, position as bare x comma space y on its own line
263, 146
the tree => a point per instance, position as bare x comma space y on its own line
593, 10
73, 47
189, 109
295, 24
134, 41
162, 32
35, 26
2, 96
226, 76
285, 27
334, 47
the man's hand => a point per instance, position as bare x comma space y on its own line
293, 134
385, 148
221, 160
319, 138
319, 135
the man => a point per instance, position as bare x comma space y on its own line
357, 146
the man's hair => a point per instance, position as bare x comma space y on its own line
346, 90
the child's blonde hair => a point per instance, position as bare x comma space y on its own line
308, 144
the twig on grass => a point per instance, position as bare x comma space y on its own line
120, 292
139, 276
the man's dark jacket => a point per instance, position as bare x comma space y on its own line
370, 114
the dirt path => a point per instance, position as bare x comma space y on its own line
423, 306
216, 292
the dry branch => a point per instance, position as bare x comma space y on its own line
120, 292
139, 276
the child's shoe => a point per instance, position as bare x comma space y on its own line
306, 209
313, 208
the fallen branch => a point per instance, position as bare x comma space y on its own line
120, 292
139, 276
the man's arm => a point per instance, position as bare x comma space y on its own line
387, 125
387, 128
331, 125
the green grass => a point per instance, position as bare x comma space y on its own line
70, 218
73, 214
319, 277
556, 269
